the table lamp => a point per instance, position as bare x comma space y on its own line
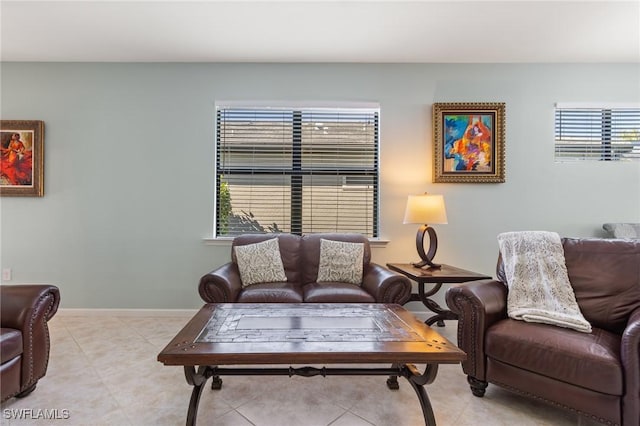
424, 209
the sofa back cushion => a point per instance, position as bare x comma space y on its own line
311, 252
289, 251
605, 275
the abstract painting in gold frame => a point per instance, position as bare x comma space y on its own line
469, 142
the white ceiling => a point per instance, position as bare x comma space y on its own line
424, 31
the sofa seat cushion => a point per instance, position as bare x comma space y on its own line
10, 344
281, 292
332, 292
590, 360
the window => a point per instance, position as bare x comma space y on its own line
297, 170
597, 133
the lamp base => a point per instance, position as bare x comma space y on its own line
427, 258
424, 263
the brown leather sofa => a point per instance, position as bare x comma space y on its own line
596, 375
300, 256
24, 336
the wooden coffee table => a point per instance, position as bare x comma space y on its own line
248, 335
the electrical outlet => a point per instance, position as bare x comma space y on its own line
6, 274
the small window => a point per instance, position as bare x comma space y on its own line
297, 170
597, 133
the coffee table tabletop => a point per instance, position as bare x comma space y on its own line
239, 334
249, 335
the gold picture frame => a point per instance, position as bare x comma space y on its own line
21, 158
468, 139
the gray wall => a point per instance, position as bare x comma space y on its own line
129, 165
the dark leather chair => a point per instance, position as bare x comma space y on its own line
300, 257
24, 336
596, 375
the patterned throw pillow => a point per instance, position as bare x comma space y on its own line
340, 262
260, 262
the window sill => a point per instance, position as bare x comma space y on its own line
217, 241
222, 241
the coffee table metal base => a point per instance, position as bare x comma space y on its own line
198, 378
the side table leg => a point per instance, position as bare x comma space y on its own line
441, 314
197, 379
418, 381
438, 320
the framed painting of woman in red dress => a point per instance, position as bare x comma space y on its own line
21, 158
468, 142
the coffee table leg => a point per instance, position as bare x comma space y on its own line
197, 379
216, 383
418, 381
392, 381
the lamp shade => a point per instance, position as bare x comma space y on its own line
426, 208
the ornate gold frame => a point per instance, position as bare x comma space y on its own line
496, 174
36, 189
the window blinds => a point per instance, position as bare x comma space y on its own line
608, 133
296, 170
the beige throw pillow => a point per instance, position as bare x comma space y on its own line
260, 262
340, 262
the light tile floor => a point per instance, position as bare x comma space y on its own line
103, 370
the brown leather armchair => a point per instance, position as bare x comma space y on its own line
300, 257
24, 336
596, 375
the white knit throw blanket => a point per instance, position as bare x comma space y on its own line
539, 287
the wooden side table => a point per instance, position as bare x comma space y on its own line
447, 274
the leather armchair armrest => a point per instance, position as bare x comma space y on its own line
23, 304
386, 286
28, 308
630, 358
478, 304
221, 285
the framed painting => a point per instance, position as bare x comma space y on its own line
21, 158
468, 142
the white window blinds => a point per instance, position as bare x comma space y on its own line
597, 133
298, 170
